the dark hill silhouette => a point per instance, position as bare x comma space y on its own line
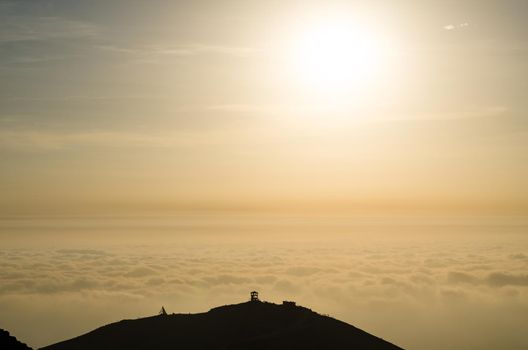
8, 342
251, 325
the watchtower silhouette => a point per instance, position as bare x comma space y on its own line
254, 296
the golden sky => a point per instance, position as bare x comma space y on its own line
402, 124
369, 106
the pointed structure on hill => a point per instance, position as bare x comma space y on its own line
162, 312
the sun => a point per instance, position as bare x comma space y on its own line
336, 55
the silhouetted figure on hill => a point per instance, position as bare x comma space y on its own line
162, 312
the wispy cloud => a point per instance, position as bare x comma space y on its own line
483, 112
241, 108
150, 53
34, 59
34, 140
28, 28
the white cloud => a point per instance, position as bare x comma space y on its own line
456, 26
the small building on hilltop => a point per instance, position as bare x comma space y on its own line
254, 296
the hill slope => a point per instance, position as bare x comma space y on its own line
8, 342
251, 325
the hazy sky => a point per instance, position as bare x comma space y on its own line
217, 104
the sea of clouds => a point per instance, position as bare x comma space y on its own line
420, 287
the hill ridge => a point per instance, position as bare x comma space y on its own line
10, 342
253, 324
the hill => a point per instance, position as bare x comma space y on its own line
8, 342
251, 325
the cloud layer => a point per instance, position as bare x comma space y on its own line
372, 283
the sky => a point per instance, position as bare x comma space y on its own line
134, 105
366, 159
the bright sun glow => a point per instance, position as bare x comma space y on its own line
336, 55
